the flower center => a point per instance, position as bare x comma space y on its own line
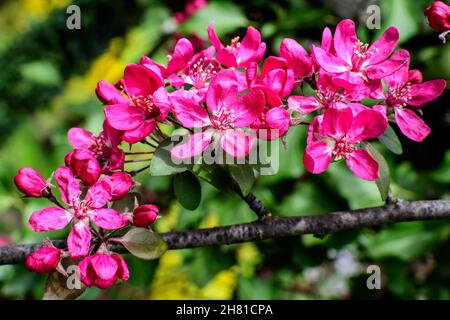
361, 53
400, 96
100, 147
223, 118
326, 96
81, 208
146, 104
342, 149
201, 71
234, 44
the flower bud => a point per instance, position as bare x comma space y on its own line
43, 260
85, 166
438, 15
144, 215
30, 182
121, 185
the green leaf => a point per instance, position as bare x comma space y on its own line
244, 175
384, 180
144, 243
390, 140
215, 175
162, 164
187, 190
226, 16
60, 287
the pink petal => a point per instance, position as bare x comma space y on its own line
317, 156
114, 136
50, 218
140, 132
328, 61
223, 90
344, 39
105, 266
303, 105
237, 143
368, 124
123, 116
273, 63
248, 108
80, 138
363, 165
195, 145
337, 122
188, 111
297, 57
383, 47
109, 219
227, 58
214, 38
86, 166
108, 94
100, 193
278, 120
141, 81
422, 93
275, 80
415, 76
327, 40
79, 240
400, 76
181, 55
123, 272
411, 125
384, 68
161, 100
68, 185
249, 47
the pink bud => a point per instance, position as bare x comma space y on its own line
43, 260
84, 164
103, 270
121, 185
145, 215
30, 182
438, 14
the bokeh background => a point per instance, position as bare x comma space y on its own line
47, 79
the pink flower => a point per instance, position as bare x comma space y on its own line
145, 215
272, 123
31, 183
81, 212
355, 63
103, 270
338, 138
185, 67
224, 117
191, 8
406, 95
122, 182
147, 102
438, 14
276, 80
103, 147
238, 54
43, 260
297, 58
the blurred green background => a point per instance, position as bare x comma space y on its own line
47, 79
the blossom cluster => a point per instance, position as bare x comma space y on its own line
230, 96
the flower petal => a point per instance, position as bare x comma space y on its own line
422, 93
80, 138
303, 105
249, 47
317, 156
123, 116
79, 240
109, 219
50, 218
344, 39
108, 94
383, 47
363, 165
237, 143
181, 55
140, 80
297, 57
188, 110
248, 108
195, 145
140, 132
100, 193
411, 125
328, 61
337, 122
68, 185
368, 124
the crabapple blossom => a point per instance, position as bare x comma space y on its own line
31, 183
438, 15
44, 260
145, 215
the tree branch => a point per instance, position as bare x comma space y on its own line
275, 227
